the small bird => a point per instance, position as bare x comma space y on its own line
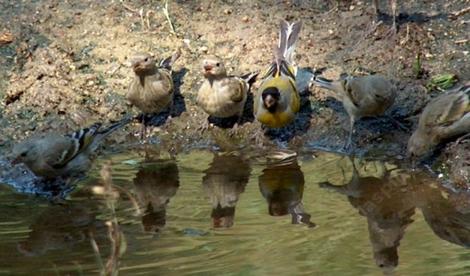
152, 89
445, 117
224, 182
155, 184
55, 155
221, 95
277, 100
364, 96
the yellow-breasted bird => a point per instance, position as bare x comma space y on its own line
221, 95
364, 96
55, 155
444, 117
152, 89
277, 100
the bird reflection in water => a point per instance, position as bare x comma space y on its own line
386, 200
282, 185
446, 211
155, 184
223, 182
61, 227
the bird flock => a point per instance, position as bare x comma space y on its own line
276, 103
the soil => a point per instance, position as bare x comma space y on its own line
65, 64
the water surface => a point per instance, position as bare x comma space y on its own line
210, 214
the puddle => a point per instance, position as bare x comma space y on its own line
206, 213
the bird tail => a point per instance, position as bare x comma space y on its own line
101, 134
168, 62
288, 35
250, 78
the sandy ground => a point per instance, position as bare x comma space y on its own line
68, 66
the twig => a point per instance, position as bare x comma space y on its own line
461, 12
167, 15
141, 14
407, 37
461, 41
129, 8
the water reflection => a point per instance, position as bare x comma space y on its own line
282, 185
447, 212
388, 197
61, 227
155, 184
386, 200
223, 182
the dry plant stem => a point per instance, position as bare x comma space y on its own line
461, 12
114, 233
129, 8
167, 15
96, 251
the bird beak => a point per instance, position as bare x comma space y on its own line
269, 101
207, 69
15, 161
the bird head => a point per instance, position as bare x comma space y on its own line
271, 97
223, 217
143, 63
25, 152
418, 145
213, 67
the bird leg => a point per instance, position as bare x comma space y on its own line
397, 123
237, 125
394, 29
143, 130
348, 143
204, 126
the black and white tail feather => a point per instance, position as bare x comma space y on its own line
88, 139
249, 78
168, 62
288, 35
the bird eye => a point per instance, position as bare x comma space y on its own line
23, 154
217, 64
146, 59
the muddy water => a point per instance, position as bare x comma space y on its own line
206, 214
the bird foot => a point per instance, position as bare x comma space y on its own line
205, 126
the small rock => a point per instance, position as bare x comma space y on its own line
203, 49
228, 11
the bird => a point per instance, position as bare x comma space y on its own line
277, 100
152, 89
155, 184
221, 95
393, 4
223, 182
55, 155
444, 117
362, 96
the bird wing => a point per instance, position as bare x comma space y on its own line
237, 88
69, 146
445, 110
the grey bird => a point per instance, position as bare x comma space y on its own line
364, 96
444, 117
55, 155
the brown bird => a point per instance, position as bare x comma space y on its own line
152, 89
364, 96
55, 155
221, 95
447, 116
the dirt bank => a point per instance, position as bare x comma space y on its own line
68, 64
